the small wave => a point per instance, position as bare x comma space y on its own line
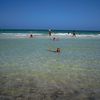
25, 35
88, 35
61, 34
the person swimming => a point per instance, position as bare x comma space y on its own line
55, 38
57, 50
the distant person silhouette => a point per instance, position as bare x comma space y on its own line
54, 38
49, 32
74, 34
31, 36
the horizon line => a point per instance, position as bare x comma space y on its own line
46, 29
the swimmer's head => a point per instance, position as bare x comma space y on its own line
58, 50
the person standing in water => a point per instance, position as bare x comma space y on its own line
49, 32
74, 34
31, 36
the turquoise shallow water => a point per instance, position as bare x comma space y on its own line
29, 70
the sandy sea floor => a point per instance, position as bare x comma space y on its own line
28, 71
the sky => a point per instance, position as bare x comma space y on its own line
54, 14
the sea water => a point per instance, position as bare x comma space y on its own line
29, 71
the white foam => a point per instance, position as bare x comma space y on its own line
88, 35
64, 35
60, 34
